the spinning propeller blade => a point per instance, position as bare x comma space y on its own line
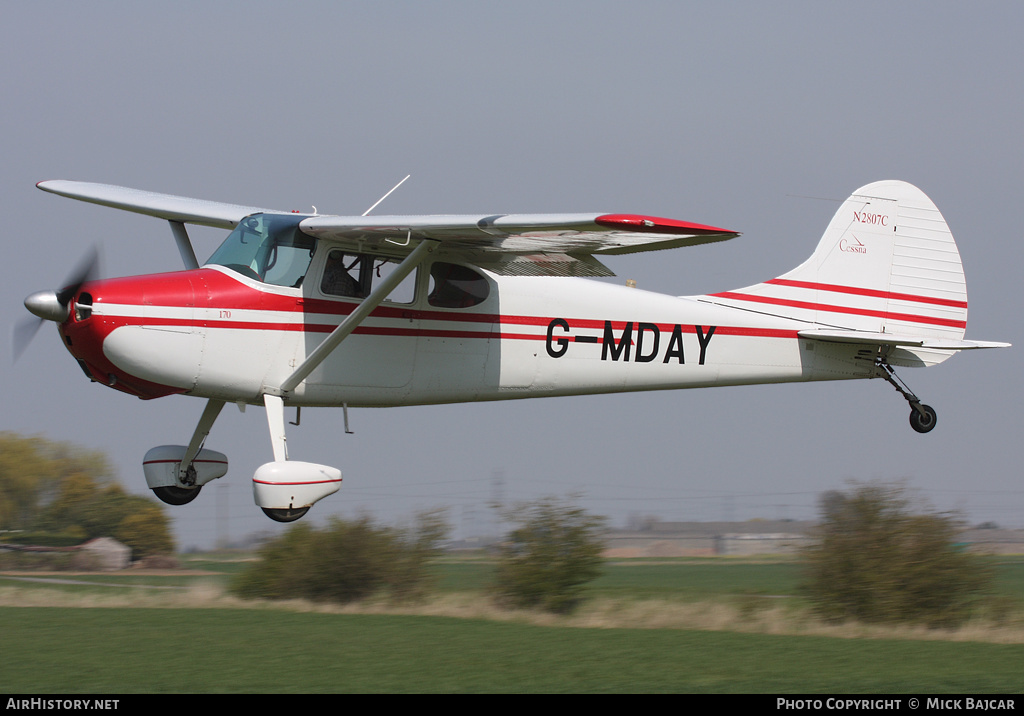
85, 271
52, 305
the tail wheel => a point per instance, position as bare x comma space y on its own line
174, 495
922, 420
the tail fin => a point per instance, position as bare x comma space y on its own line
887, 263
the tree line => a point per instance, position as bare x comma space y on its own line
876, 556
57, 494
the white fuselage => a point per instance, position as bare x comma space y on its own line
213, 333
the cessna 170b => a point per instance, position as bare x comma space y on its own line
315, 310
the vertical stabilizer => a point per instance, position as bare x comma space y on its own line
887, 263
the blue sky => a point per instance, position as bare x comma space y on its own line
758, 117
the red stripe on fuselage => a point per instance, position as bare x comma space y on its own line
856, 291
211, 290
437, 332
831, 308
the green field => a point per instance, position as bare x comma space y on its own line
175, 651
60, 649
675, 578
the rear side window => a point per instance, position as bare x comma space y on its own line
454, 286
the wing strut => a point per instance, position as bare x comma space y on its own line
188, 254
382, 291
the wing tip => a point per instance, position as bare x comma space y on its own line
657, 225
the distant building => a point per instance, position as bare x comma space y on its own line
994, 540
707, 539
103, 553
107, 553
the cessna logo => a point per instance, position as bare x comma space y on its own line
852, 245
636, 342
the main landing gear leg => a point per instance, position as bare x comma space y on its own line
171, 470
922, 417
186, 471
286, 489
279, 441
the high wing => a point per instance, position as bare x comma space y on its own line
508, 244
522, 244
163, 206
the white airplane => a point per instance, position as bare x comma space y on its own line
316, 310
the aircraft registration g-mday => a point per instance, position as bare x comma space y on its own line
298, 309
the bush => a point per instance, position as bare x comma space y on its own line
41, 561
347, 561
147, 531
875, 561
548, 559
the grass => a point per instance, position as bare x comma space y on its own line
235, 650
698, 579
1010, 575
714, 625
686, 579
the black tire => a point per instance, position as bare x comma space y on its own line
284, 515
173, 495
923, 423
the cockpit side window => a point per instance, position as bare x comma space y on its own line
268, 248
455, 286
343, 275
353, 275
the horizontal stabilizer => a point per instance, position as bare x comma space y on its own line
942, 345
869, 338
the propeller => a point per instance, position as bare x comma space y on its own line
53, 305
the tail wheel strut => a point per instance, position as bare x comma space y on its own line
922, 417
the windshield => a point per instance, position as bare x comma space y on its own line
269, 248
